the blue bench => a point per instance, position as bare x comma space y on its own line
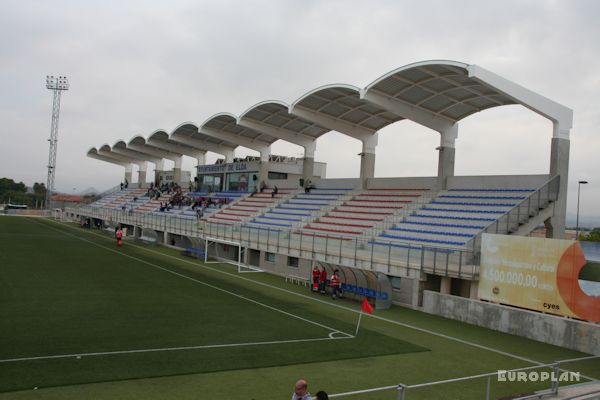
269, 223
475, 204
446, 196
464, 211
195, 252
361, 291
288, 213
444, 225
281, 219
432, 232
454, 218
414, 239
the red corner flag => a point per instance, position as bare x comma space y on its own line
367, 307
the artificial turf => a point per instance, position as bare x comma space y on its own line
69, 292
455, 349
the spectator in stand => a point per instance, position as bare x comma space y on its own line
263, 186
322, 281
308, 186
301, 391
126, 183
121, 185
275, 191
336, 284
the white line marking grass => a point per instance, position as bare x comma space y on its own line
331, 331
210, 346
391, 321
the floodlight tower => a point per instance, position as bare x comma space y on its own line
57, 84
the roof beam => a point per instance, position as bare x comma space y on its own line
176, 148
132, 154
550, 109
100, 157
406, 111
261, 147
279, 133
154, 151
331, 123
225, 151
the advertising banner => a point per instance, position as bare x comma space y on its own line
536, 273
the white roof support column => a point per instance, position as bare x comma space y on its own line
309, 143
263, 149
447, 155
142, 174
128, 167
368, 138
127, 161
128, 174
562, 121
448, 129
177, 169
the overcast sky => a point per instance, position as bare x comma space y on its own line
138, 66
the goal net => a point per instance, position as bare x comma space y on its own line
229, 252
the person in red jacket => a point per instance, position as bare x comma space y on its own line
119, 235
315, 278
336, 284
322, 281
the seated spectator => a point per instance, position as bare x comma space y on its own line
275, 191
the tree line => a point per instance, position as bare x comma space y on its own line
16, 193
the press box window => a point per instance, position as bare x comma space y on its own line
292, 262
278, 175
270, 257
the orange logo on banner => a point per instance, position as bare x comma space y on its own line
567, 279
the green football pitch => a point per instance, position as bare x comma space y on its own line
83, 318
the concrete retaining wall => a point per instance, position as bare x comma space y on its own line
563, 332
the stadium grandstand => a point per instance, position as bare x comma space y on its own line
175, 300
426, 230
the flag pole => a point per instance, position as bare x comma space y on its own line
358, 325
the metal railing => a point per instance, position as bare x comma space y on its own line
520, 213
403, 392
391, 257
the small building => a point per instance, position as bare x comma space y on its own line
242, 174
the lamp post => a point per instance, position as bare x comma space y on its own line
57, 85
578, 194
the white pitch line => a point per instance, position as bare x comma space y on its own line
211, 346
202, 283
391, 321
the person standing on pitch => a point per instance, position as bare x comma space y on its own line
301, 391
119, 236
322, 281
315, 278
336, 284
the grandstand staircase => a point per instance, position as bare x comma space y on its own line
247, 207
